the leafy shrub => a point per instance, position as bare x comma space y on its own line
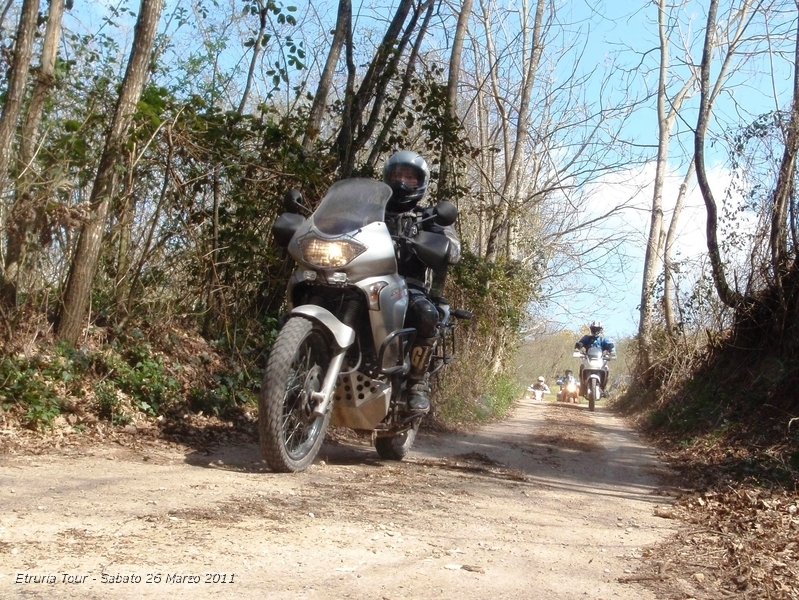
233, 390
31, 384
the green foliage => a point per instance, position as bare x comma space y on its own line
33, 384
453, 407
232, 391
144, 377
38, 386
499, 291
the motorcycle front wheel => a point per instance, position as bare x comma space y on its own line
593, 392
289, 434
397, 447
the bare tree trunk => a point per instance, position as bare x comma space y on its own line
343, 25
354, 133
377, 146
17, 78
513, 159
446, 172
256, 52
656, 214
125, 212
778, 237
655, 243
24, 210
84, 263
45, 81
668, 281
727, 295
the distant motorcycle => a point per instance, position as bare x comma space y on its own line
538, 395
569, 390
593, 373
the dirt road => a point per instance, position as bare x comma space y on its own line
555, 502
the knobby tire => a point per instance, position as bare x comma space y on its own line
397, 447
593, 390
290, 437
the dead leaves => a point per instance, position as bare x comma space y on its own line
746, 538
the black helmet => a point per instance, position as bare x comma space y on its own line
569, 372
595, 327
407, 174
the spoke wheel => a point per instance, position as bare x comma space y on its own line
289, 433
593, 390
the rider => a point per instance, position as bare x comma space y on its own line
540, 385
408, 175
593, 340
568, 376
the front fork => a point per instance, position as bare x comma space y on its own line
323, 397
343, 336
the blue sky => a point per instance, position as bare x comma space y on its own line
624, 32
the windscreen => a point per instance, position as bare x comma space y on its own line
351, 204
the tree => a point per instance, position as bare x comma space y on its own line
666, 117
446, 174
707, 94
340, 34
23, 49
84, 263
363, 108
764, 291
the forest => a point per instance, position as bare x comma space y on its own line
145, 149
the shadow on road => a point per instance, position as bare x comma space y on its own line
559, 446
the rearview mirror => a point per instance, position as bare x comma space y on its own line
446, 213
292, 201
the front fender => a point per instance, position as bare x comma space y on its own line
343, 334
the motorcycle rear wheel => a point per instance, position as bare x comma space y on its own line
593, 391
290, 435
397, 447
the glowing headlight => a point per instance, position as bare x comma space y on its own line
329, 253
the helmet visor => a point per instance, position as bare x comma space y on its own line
405, 175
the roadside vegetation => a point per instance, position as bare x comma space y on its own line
725, 418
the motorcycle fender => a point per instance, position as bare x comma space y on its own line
344, 335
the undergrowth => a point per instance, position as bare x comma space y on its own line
123, 379
452, 407
733, 413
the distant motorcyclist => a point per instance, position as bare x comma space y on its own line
408, 175
593, 340
568, 377
539, 386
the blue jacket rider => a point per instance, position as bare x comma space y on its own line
595, 339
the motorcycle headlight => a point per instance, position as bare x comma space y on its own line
329, 254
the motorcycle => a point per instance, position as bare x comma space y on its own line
342, 357
593, 373
569, 390
538, 395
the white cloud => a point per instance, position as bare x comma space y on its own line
614, 296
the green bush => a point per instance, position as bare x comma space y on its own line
31, 384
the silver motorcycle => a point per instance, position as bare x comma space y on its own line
593, 373
342, 356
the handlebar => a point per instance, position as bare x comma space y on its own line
605, 355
